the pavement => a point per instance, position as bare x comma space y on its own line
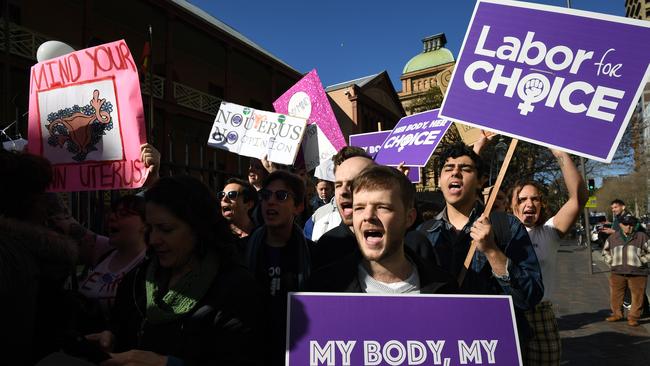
582, 303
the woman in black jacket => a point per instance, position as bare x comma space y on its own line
189, 302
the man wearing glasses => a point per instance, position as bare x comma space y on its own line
237, 200
627, 252
278, 254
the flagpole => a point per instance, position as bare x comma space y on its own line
150, 82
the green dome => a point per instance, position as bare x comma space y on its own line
429, 59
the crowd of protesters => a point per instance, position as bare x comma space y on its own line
187, 276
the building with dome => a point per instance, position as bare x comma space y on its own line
421, 73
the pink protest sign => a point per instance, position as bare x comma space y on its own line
307, 99
86, 118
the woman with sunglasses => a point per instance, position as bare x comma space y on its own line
188, 302
238, 200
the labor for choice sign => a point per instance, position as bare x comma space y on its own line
557, 77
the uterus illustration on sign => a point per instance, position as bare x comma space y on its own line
79, 129
80, 123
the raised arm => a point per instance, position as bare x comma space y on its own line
568, 213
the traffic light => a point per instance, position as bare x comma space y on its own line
591, 186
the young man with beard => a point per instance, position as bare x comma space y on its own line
237, 200
505, 262
529, 206
383, 209
278, 254
340, 241
618, 211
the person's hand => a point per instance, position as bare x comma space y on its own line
269, 166
105, 340
486, 137
66, 224
607, 230
150, 156
135, 357
558, 153
404, 169
481, 233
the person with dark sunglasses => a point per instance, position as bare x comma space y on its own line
278, 254
238, 200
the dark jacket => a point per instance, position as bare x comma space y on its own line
525, 285
333, 246
628, 255
222, 329
342, 276
296, 268
34, 311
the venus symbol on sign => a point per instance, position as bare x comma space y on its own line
531, 89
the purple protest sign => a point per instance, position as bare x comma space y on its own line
561, 78
372, 141
413, 140
363, 329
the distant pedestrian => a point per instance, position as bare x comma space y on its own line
324, 193
618, 211
627, 253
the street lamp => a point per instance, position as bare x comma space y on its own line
498, 157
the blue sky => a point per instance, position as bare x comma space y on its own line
345, 40
349, 39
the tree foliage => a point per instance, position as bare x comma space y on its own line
535, 162
630, 188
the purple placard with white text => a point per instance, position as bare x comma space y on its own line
371, 142
364, 329
413, 140
561, 78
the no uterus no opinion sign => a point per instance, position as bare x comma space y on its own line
557, 77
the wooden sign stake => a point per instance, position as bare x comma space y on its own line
488, 207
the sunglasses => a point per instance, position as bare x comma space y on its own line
232, 195
280, 195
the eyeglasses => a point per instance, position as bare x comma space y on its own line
232, 195
280, 195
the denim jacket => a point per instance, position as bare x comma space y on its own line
525, 284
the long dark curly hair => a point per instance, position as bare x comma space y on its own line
194, 203
513, 194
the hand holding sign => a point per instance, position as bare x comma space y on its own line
150, 156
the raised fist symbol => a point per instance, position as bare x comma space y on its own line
533, 87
